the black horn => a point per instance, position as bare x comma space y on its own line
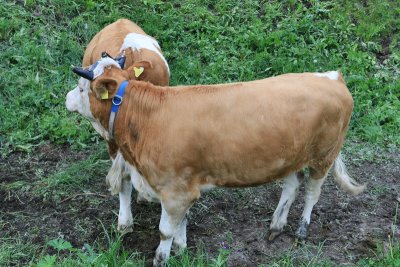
87, 74
120, 60
105, 54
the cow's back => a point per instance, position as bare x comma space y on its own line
254, 131
116, 32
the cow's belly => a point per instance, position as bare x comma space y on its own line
141, 185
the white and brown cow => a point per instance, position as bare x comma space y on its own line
140, 50
186, 139
141, 55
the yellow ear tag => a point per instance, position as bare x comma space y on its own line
104, 94
138, 71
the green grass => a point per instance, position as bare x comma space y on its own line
306, 255
115, 255
205, 42
66, 255
385, 257
66, 179
12, 250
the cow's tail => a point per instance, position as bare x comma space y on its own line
340, 77
343, 179
115, 174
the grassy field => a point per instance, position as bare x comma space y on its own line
204, 42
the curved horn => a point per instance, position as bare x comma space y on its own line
121, 61
87, 74
105, 54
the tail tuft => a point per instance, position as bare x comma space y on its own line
115, 174
343, 179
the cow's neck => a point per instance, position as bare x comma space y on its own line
140, 102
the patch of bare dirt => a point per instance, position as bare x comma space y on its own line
343, 228
384, 53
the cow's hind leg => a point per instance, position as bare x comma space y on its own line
179, 243
289, 192
312, 193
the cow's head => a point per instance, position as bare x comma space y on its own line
77, 99
89, 97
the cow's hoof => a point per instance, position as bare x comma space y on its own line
159, 260
301, 232
273, 233
178, 248
124, 229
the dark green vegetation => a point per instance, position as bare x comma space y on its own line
204, 43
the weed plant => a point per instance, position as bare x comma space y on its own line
205, 42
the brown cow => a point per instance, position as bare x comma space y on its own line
186, 139
141, 50
143, 57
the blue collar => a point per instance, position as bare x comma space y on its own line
116, 102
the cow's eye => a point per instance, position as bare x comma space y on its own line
81, 90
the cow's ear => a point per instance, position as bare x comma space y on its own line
105, 88
139, 69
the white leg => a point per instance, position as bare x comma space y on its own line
167, 232
140, 198
180, 237
125, 219
170, 226
313, 191
289, 192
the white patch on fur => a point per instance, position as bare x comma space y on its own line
116, 174
180, 240
102, 63
164, 248
139, 41
77, 100
141, 185
125, 218
171, 227
100, 129
206, 187
313, 191
289, 192
333, 75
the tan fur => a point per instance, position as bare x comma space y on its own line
186, 138
111, 38
235, 135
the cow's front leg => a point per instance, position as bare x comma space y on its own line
172, 225
125, 219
